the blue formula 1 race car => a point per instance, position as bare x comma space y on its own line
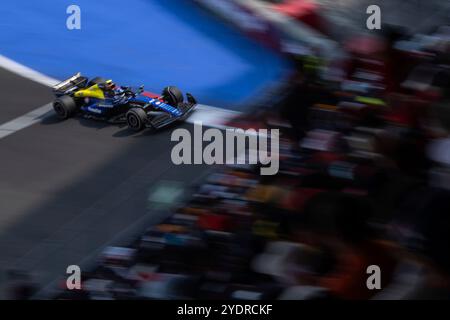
103, 100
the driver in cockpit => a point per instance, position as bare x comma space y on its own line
109, 88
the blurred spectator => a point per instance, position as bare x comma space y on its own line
364, 180
21, 285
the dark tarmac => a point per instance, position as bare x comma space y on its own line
69, 188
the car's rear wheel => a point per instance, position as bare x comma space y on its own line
65, 107
96, 80
172, 95
136, 119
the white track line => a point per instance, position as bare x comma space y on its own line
207, 115
26, 120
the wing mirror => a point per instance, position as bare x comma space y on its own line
191, 99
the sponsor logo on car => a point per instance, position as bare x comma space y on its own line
94, 110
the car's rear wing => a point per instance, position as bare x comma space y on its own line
74, 82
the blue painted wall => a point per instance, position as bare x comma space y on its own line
151, 42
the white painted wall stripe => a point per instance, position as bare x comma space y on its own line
26, 72
211, 116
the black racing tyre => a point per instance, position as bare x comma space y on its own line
65, 107
172, 95
136, 119
96, 80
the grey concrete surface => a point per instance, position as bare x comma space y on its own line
68, 188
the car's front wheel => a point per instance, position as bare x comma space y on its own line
136, 119
65, 107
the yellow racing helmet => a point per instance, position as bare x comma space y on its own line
109, 85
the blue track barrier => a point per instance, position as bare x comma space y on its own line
151, 42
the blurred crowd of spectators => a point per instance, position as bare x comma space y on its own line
364, 180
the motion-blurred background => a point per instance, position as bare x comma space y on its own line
364, 152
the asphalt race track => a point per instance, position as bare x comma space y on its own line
68, 188
19, 96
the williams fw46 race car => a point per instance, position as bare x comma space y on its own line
102, 99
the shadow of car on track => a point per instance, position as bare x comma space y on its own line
53, 119
126, 132
50, 119
123, 130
